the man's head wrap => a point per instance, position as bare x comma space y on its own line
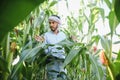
55, 18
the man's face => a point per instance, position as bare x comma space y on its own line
53, 25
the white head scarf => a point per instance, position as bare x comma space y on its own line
56, 19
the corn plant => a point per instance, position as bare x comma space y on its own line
20, 42
82, 61
93, 67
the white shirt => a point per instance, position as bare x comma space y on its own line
51, 38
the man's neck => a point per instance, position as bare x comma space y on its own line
56, 32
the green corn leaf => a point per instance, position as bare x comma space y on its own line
117, 42
113, 22
117, 10
71, 55
108, 3
95, 67
3, 65
106, 44
12, 12
94, 15
26, 54
53, 3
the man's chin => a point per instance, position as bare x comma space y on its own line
52, 29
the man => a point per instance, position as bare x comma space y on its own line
56, 52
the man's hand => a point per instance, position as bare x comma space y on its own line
39, 38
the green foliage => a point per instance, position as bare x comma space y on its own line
13, 12
27, 55
3, 65
108, 3
75, 50
113, 22
117, 65
106, 43
116, 7
82, 62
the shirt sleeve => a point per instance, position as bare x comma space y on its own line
64, 35
45, 42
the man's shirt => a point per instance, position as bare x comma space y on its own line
51, 38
